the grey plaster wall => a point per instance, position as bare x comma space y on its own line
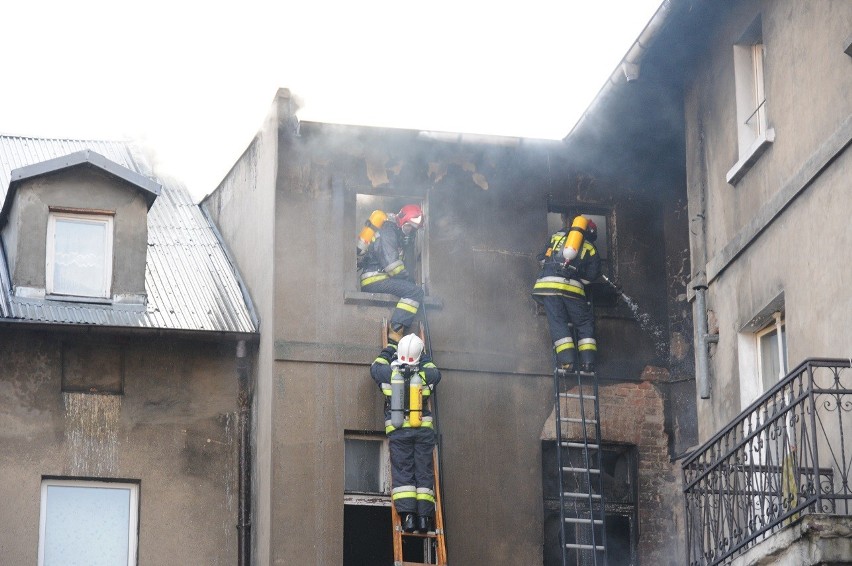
783, 229
77, 188
243, 209
173, 430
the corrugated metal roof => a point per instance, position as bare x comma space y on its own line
189, 280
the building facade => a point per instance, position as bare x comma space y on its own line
308, 187
124, 341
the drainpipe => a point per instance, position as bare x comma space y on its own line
244, 448
702, 338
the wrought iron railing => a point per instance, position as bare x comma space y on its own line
789, 454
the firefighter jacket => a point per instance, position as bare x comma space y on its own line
556, 278
387, 255
383, 370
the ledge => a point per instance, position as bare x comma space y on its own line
741, 167
383, 299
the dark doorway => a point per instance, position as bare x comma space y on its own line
367, 539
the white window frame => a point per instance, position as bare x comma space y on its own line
382, 499
753, 132
103, 219
750, 362
133, 519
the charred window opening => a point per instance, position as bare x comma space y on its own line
619, 472
416, 255
602, 295
367, 534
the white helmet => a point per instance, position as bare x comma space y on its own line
409, 349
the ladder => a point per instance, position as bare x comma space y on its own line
578, 457
434, 543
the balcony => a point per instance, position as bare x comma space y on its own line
785, 457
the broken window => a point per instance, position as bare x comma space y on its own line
619, 474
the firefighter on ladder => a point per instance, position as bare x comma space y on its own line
568, 263
407, 377
387, 261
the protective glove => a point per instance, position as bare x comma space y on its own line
388, 353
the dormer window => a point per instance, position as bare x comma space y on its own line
79, 254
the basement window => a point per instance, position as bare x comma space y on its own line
367, 530
88, 522
78, 259
619, 473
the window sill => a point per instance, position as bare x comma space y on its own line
383, 299
751, 156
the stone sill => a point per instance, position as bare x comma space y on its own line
741, 167
383, 299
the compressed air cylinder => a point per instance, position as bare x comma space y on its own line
575, 238
368, 232
415, 401
397, 399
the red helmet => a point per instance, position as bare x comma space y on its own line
591, 231
410, 214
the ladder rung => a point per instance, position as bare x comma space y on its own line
579, 445
577, 396
589, 470
585, 521
576, 420
585, 547
581, 495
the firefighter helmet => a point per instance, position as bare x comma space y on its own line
410, 218
591, 232
409, 349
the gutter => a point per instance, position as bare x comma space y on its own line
628, 70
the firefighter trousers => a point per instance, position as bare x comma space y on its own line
563, 312
412, 474
410, 296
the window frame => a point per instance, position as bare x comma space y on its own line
379, 498
133, 512
102, 218
754, 134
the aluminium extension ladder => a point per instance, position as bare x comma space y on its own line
578, 457
434, 542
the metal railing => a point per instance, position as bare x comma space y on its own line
787, 455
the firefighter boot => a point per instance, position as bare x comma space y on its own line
424, 524
395, 333
408, 523
587, 362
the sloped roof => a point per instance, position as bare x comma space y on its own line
190, 282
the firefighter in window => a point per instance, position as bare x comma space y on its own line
569, 262
407, 377
387, 260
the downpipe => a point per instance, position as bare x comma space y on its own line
244, 449
703, 340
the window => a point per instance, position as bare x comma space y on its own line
79, 255
753, 131
772, 353
367, 534
619, 473
762, 351
88, 522
415, 260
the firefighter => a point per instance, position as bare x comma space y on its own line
560, 288
412, 442
388, 266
